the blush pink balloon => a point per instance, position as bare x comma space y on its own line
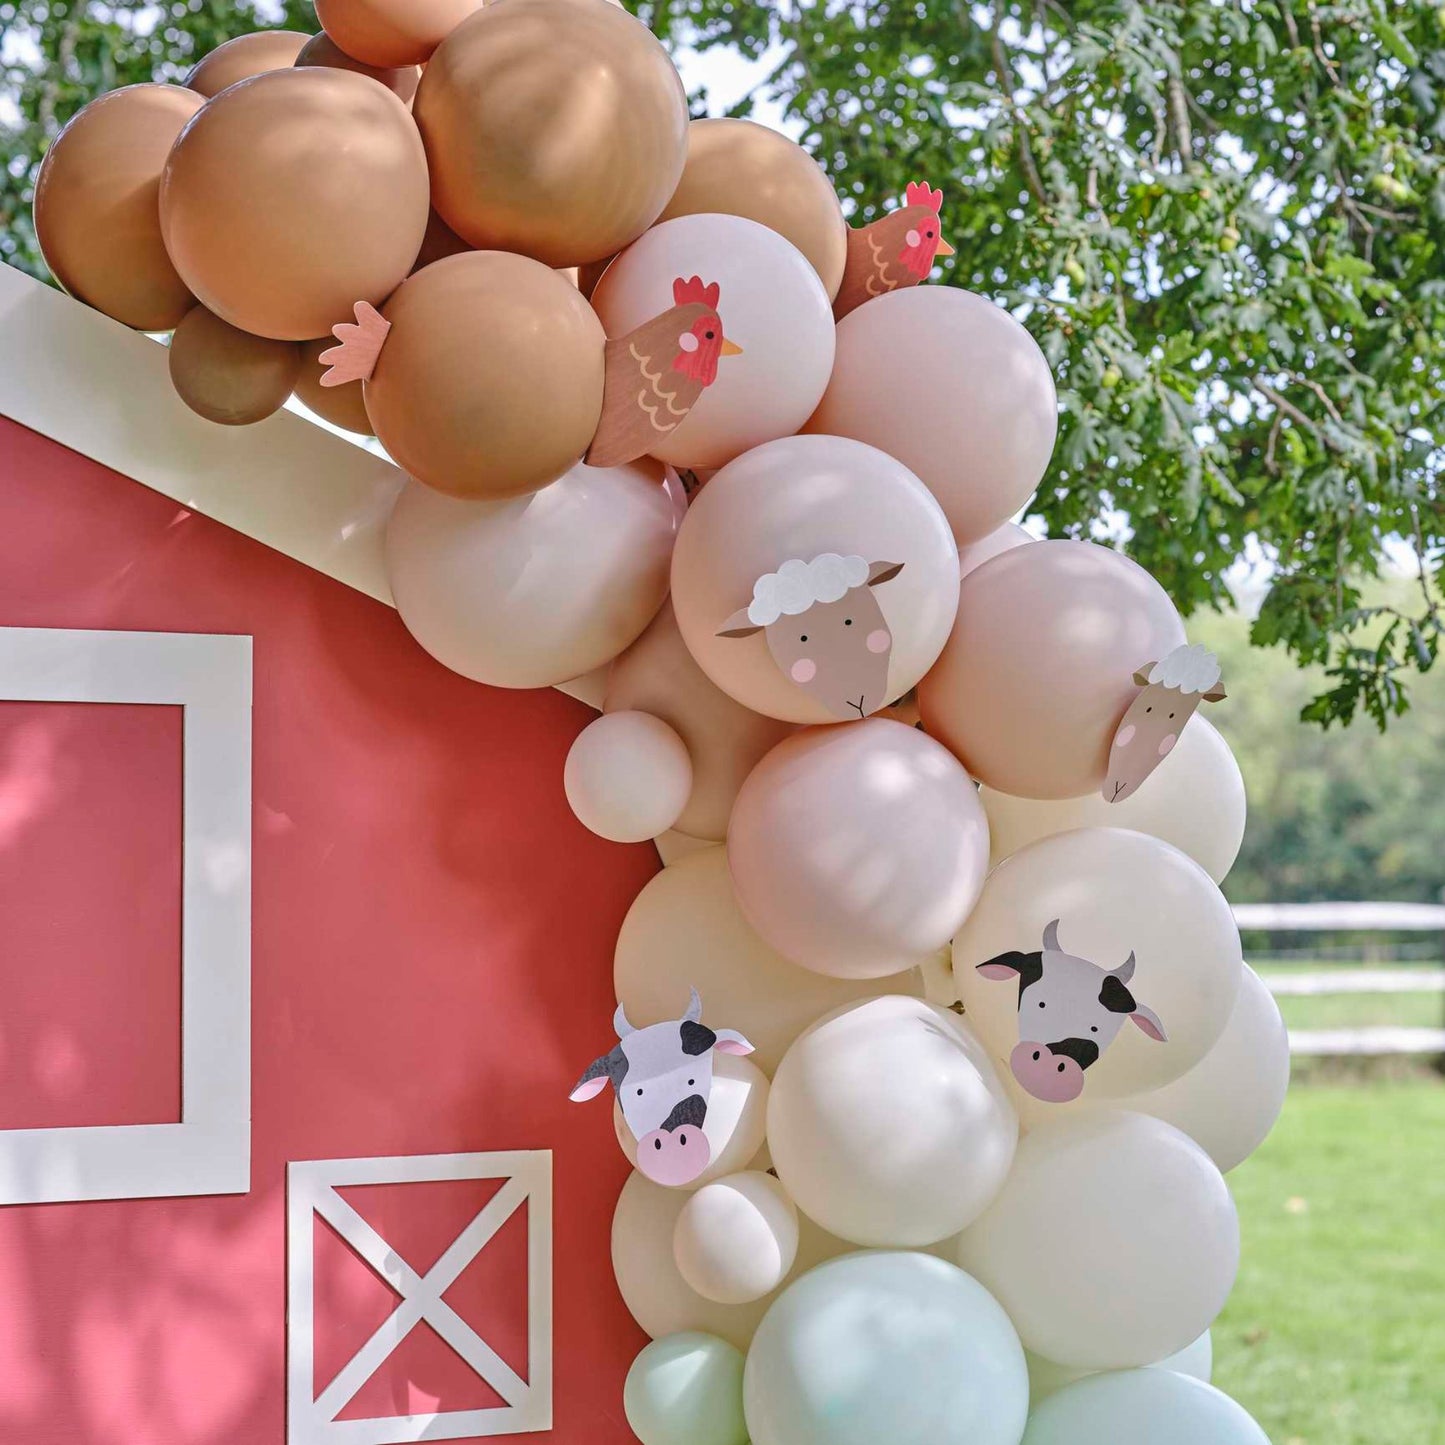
1039, 668
956, 389
1000, 540
792, 502
858, 851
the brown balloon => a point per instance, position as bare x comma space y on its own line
740, 168
243, 57
230, 376
392, 32
489, 383
439, 242
342, 406
292, 196
323, 50
553, 128
96, 211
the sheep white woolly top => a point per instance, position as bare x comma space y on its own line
1190, 668
797, 585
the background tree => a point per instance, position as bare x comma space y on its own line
1222, 219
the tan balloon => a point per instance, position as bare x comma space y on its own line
439, 242
956, 389
490, 381
392, 32
740, 168
97, 214
724, 739
553, 128
857, 851
230, 376
342, 406
324, 51
685, 929
1040, 665
535, 590
292, 196
243, 57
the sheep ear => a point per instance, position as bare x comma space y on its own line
883, 572
1141, 678
739, 625
1215, 694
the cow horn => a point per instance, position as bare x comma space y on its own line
620, 1024
1125, 970
694, 1008
1051, 938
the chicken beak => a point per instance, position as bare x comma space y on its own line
944, 249
731, 348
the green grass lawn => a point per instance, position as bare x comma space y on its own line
1364, 1010
1335, 1333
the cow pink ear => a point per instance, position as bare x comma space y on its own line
730, 1041
998, 970
1148, 1020
588, 1089
739, 625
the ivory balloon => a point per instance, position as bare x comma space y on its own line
1229, 1101
956, 389
1000, 540
686, 1389
243, 57
830, 511
595, 546
1194, 799
489, 383
772, 305
858, 851
628, 777
1057, 920
891, 1346
292, 196
1040, 666
1142, 1407
97, 212
736, 1238
741, 168
685, 928
555, 129
392, 32
323, 50
1113, 1242
230, 376
342, 406
1047, 1378
888, 1125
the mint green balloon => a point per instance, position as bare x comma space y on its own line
686, 1389
1141, 1407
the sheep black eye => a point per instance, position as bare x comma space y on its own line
847, 622
803, 638
1148, 709
1171, 717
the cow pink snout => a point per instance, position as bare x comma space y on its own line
673, 1156
1054, 1078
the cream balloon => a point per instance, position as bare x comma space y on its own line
736, 1238
858, 851
1194, 799
533, 590
1000, 540
1113, 1243
1053, 922
1047, 1378
888, 1125
772, 305
956, 389
1142, 1407
685, 929
809, 513
736, 1124
628, 777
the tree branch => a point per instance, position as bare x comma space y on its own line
1027, 163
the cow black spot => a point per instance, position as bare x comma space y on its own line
691, 1110
1115, 996
696, 1038
1082, 1051
1030, 967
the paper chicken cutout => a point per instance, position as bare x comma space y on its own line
896, 250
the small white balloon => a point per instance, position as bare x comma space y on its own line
1194, 799
1114, 1242
686, 1389
888, 1125
737, 1238
1142, 1407
628, 777
885, 1346
1047, 1377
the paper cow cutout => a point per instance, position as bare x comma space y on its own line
1070, 1011
662, 1076
825, 629
894, 251
1173, 689
655, 375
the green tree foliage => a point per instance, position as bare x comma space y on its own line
1222, 219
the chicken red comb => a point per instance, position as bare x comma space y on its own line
693, 289
920, 194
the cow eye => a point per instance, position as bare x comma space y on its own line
689, 1083
1093, 1028
1041, 1003
639, 1093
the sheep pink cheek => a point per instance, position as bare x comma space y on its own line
1124, 737
878, 640
1167, 744
803, 670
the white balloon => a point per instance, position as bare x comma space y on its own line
1194, 799
1047, 1378
1142, 1407
1053, 919
628, 777
1114, 1242
888, 1125
884, 1346
735, 1124
737, 1238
